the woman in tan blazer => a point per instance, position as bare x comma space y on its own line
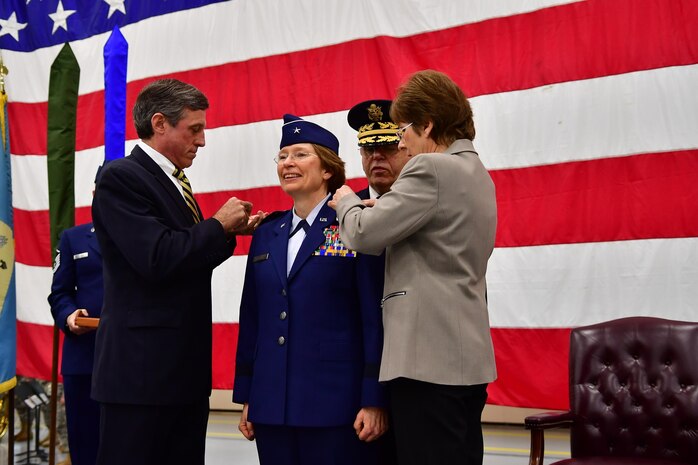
437, 225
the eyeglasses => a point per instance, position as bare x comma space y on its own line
297, 156
384, 150
401, 131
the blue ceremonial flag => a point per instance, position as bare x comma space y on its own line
8, 336
115, 64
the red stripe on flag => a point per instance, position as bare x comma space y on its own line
34, 350
33, 246
540, 382
33, 242
225, 340
32, 227
570, 42
532, 367
610, 199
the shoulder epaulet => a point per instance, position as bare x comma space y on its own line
274, 215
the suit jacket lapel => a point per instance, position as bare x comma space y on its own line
278, 247
314, 239
141, 157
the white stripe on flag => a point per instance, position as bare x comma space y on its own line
561, 286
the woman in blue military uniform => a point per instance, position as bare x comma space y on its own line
311, 334
78, 290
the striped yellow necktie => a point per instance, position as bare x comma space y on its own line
188, 194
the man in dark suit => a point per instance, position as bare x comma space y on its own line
152, 372
382, 162
77, 290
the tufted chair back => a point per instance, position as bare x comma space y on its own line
634, 390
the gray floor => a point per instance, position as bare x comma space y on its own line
504, 444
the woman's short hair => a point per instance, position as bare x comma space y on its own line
331, 162
169, 97
433, 96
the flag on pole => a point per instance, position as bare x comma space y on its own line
585, 114
8, 336
60, 147
115, 65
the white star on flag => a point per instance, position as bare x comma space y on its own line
296, 130
60, 17
11, 26
115, 5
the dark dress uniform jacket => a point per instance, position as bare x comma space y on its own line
77, 283
154, 339
309, 345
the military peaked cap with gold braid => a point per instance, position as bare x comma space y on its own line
372, 119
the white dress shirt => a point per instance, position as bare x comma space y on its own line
294, 242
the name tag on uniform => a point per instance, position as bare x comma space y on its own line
260, 258
78, 256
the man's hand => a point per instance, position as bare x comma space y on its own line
341, 192
234, 215
252, 222
75, 329
371, 423
246, 427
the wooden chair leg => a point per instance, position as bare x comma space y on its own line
537, 447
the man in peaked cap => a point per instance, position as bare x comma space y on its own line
382, 162
380, 157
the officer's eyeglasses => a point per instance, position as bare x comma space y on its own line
297, 156
384, 150
401, 131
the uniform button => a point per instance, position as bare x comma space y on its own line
283, 315
282, 340
283, 291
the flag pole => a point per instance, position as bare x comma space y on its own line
10, 406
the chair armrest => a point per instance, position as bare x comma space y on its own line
537, 424
549, 420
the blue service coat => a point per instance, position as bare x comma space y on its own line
310, 344
77, 283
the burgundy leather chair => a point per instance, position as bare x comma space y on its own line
633, 395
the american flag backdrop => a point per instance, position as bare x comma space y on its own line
586, 115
